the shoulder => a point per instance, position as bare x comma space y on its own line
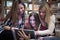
52, 16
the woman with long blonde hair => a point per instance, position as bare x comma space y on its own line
47, 20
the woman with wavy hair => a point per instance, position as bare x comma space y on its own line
14, 19
47, 19
34, 21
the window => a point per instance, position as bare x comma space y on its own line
30, 0
58, 5
9, 3
30, 6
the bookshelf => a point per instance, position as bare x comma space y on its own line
1, 11
1, 8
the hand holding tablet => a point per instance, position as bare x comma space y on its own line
27, 31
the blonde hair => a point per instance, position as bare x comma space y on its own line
48, 12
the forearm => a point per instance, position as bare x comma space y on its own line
6, 28
50, 29
45, 32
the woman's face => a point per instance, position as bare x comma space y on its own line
32, 20
21, 9
42, 13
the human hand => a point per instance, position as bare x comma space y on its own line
23, 35
6, 27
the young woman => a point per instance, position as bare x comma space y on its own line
14, 19
46, 19
16, 16
34, 22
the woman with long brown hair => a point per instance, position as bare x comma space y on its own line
17, 13
33, 21
14, 19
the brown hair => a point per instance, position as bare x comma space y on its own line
37, 20
13, 13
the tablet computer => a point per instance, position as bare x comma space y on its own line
27, 31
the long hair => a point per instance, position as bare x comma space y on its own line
37, 21
45, 7
13, 13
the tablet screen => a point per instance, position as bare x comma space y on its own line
31, 32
